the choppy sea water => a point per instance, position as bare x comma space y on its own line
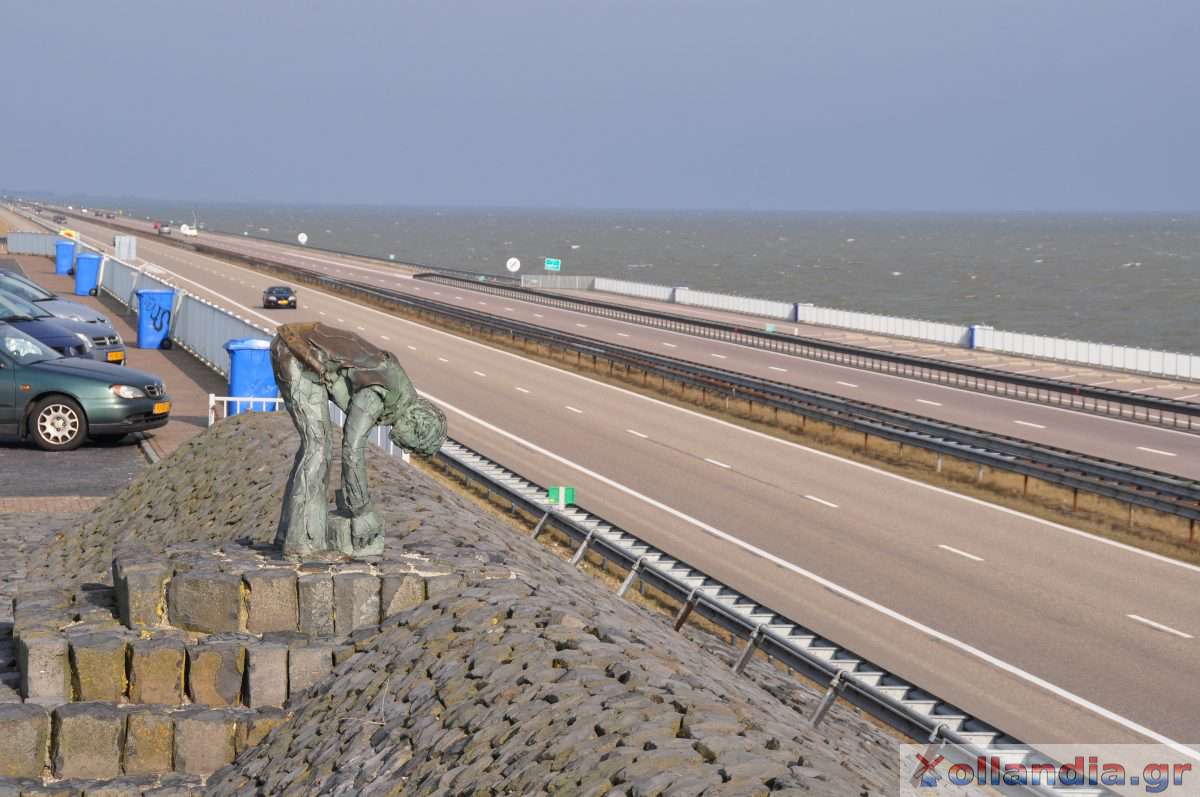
1130, 279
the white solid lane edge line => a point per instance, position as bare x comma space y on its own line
862, 600
636, 433
1168, 629
829, 504
1156, 451
1080, 533
927, 401
718, 463
847, 384
573, 409
961, 553
1029, 423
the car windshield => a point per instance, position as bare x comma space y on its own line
10, 283
24, 349
280, 291
14, 308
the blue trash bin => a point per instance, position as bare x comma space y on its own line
250, 374
64, 257
87, 274
154, 318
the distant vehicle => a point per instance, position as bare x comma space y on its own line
59, 219
64, 401
279, 296
163, 229
68, 338
188, 231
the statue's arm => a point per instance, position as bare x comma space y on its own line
339, 393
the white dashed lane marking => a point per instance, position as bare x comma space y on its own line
930, 403
717, 463
479, 373
636, 433
1028, 423
777, 368
1159, 626
1155, 451
847, 384
523, 390
574, 409
971, 556
829, 504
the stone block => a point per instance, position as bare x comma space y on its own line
254, 727
65, 789
42, 657
204, 741
271, 600
446, 584
355, 602
215, 669
122, 787
141, 592
87, 741
98, 666
24, 740
400, 591
307, 665
156, 671
206, 601
266, 675
149, 742
315, 604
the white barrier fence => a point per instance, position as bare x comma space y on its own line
32, 243
557, 282
936, 331
785, 311
1104, 355
663, 293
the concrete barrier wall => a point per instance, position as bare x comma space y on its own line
767, 308
32, 243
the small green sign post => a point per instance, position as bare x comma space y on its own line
553, 264
561, 495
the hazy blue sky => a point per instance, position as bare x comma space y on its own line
957, 105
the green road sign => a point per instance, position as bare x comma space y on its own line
561, 495
553, 264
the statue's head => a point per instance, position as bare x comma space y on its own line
420, 427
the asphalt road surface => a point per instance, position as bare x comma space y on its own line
1050, 633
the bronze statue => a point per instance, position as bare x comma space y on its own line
315, 364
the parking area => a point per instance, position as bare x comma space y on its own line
37, 481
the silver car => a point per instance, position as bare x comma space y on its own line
30, 291
98, 341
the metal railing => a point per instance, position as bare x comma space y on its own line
1058, 393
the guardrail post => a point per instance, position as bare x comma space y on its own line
836, 685
583, 548
686, 609
628, 582
538, 528
751, 646
212, 409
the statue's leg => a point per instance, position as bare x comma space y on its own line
366, 525
302, 527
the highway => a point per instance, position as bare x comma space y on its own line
1045, 631
1112, 438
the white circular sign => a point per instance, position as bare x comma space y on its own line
302, 238
513, 265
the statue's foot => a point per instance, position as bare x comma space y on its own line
366, 534
340, 534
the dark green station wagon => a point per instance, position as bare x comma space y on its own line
61, 401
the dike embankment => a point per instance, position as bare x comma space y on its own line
159, 647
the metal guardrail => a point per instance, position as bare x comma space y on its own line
889, 698
1098, 400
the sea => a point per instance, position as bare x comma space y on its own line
1131, 279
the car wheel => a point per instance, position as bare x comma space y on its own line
57, 423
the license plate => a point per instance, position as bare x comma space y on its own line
116, 357
162, 407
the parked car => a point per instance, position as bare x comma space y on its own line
279, 296
68, 338
30, 291
59, 402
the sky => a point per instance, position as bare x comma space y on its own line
955, 105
